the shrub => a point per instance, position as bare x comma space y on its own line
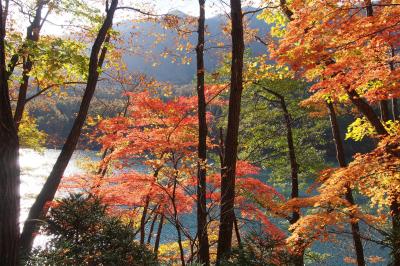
260, 249
81, 233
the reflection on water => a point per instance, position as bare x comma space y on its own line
35, 168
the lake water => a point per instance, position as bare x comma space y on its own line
36, 166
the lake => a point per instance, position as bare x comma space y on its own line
36, 166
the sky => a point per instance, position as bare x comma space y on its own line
190, 7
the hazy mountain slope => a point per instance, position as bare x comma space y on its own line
140, 39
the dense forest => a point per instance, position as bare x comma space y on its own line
206, 132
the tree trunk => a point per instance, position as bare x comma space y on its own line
143, 221
32, 35
9, 166
384, 107
177, 225
362, 106
152, 228
395, 109
340, 156
50, 187
294, 166
395, 213
203, 255
285, 9
231, 143
367, 111
237, 232
369, 8
158, 237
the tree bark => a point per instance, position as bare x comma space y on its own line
369, 8
158, 237
231, 143
384, 107
143, 221
203, 254
9, 166
367, 111
152, 228
294, 166
395, 109
50, 187
237, 232
285, 9
32, 35
340, 156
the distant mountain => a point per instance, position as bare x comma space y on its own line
56, 116
145, 56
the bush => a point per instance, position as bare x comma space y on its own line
260, 249
83, 234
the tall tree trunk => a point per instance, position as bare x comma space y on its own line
9, 166
158, 237
50, 187
340, 156
203, 255
32, 35
231, 143
294, 166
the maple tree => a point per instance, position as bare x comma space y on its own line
347, 50
162, 134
